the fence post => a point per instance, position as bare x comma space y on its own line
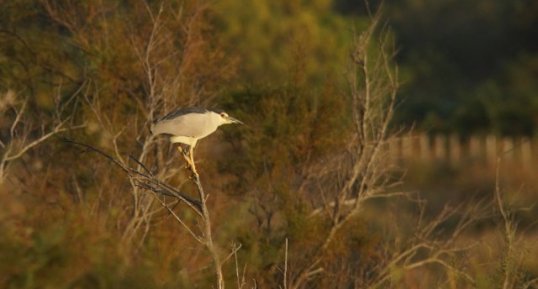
407, 147
526, 153
474, 147
424, 146
394, 149
440, 147
492, 150
454, 149
508, 149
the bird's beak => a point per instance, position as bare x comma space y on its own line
234, 120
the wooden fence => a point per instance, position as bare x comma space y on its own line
520, 151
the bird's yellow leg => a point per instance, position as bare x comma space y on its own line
183, 153
188, 157
191, 162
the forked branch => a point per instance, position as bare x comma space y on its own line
208, 235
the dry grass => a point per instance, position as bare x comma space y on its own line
301, 197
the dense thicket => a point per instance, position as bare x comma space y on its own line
301, 196
468, 67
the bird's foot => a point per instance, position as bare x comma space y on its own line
188, 158
185, 154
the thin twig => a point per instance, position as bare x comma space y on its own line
286, 265
191, 232
208, 235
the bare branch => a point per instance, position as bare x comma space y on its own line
177, 218
208, 234
145, 180
57, 129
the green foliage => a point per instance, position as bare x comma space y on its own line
75, 252
280, 67
286, 128
460, 60
275, 39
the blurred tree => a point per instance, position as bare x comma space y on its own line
271, 37
455, 56
291, 185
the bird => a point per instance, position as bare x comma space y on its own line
190, 124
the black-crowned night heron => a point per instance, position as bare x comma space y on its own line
188, 125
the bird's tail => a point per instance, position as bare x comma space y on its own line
152, 129
155, 129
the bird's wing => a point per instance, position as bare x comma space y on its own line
190, 125
182, 111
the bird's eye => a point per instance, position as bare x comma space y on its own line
223, 114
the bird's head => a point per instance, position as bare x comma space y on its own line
225, 118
